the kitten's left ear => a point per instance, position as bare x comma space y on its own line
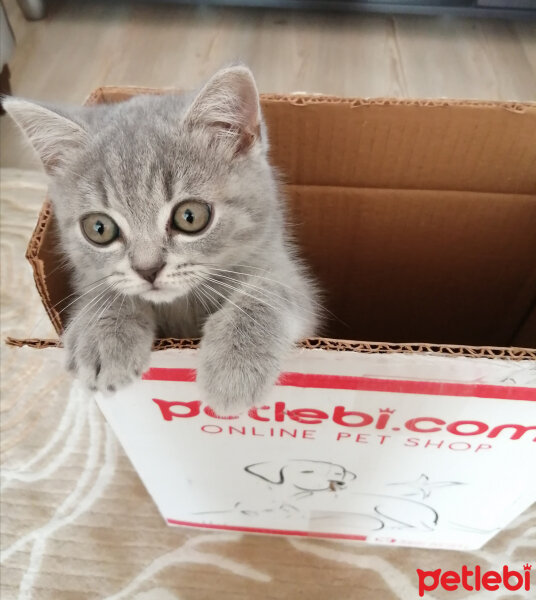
229, 103
53, 135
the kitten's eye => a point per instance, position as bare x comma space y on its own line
191, 216
99, 228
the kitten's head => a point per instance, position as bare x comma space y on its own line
158, 192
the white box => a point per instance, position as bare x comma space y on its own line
403, 449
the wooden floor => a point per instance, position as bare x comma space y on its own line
80, 46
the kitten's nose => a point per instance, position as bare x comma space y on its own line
151, 273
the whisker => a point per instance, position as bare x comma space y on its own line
320, 306
97, 319
263, 328
77, 293
48, 310
106, 301
98, 305
200, 299
81, 296
240, 291
118, 315
210, 299
265, 291
272, 280
62, 263
94, 301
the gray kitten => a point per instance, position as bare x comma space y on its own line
172, 220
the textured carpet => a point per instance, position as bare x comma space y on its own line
78, 524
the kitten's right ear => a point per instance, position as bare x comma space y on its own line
53, 135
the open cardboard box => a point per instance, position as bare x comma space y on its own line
419, 220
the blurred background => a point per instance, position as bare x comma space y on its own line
379, 50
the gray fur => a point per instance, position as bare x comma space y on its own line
238, 284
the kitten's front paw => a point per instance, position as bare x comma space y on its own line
104, 359
232, 380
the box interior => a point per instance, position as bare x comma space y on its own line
417, 217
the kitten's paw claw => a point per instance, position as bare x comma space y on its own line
114, 374
104, 362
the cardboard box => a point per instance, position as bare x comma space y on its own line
419, 220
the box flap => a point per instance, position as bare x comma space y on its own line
468, 145
418, 217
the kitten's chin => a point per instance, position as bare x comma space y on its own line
161, 296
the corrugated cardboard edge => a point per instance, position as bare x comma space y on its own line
32, 253
337, 346
301, 99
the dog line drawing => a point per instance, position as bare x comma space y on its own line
295, 486
307, 477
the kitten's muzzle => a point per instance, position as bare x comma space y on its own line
151, 273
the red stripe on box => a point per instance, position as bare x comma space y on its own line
334, 536
432, 388
370, 384
165, 374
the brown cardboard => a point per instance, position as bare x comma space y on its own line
510, 353
418, 218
